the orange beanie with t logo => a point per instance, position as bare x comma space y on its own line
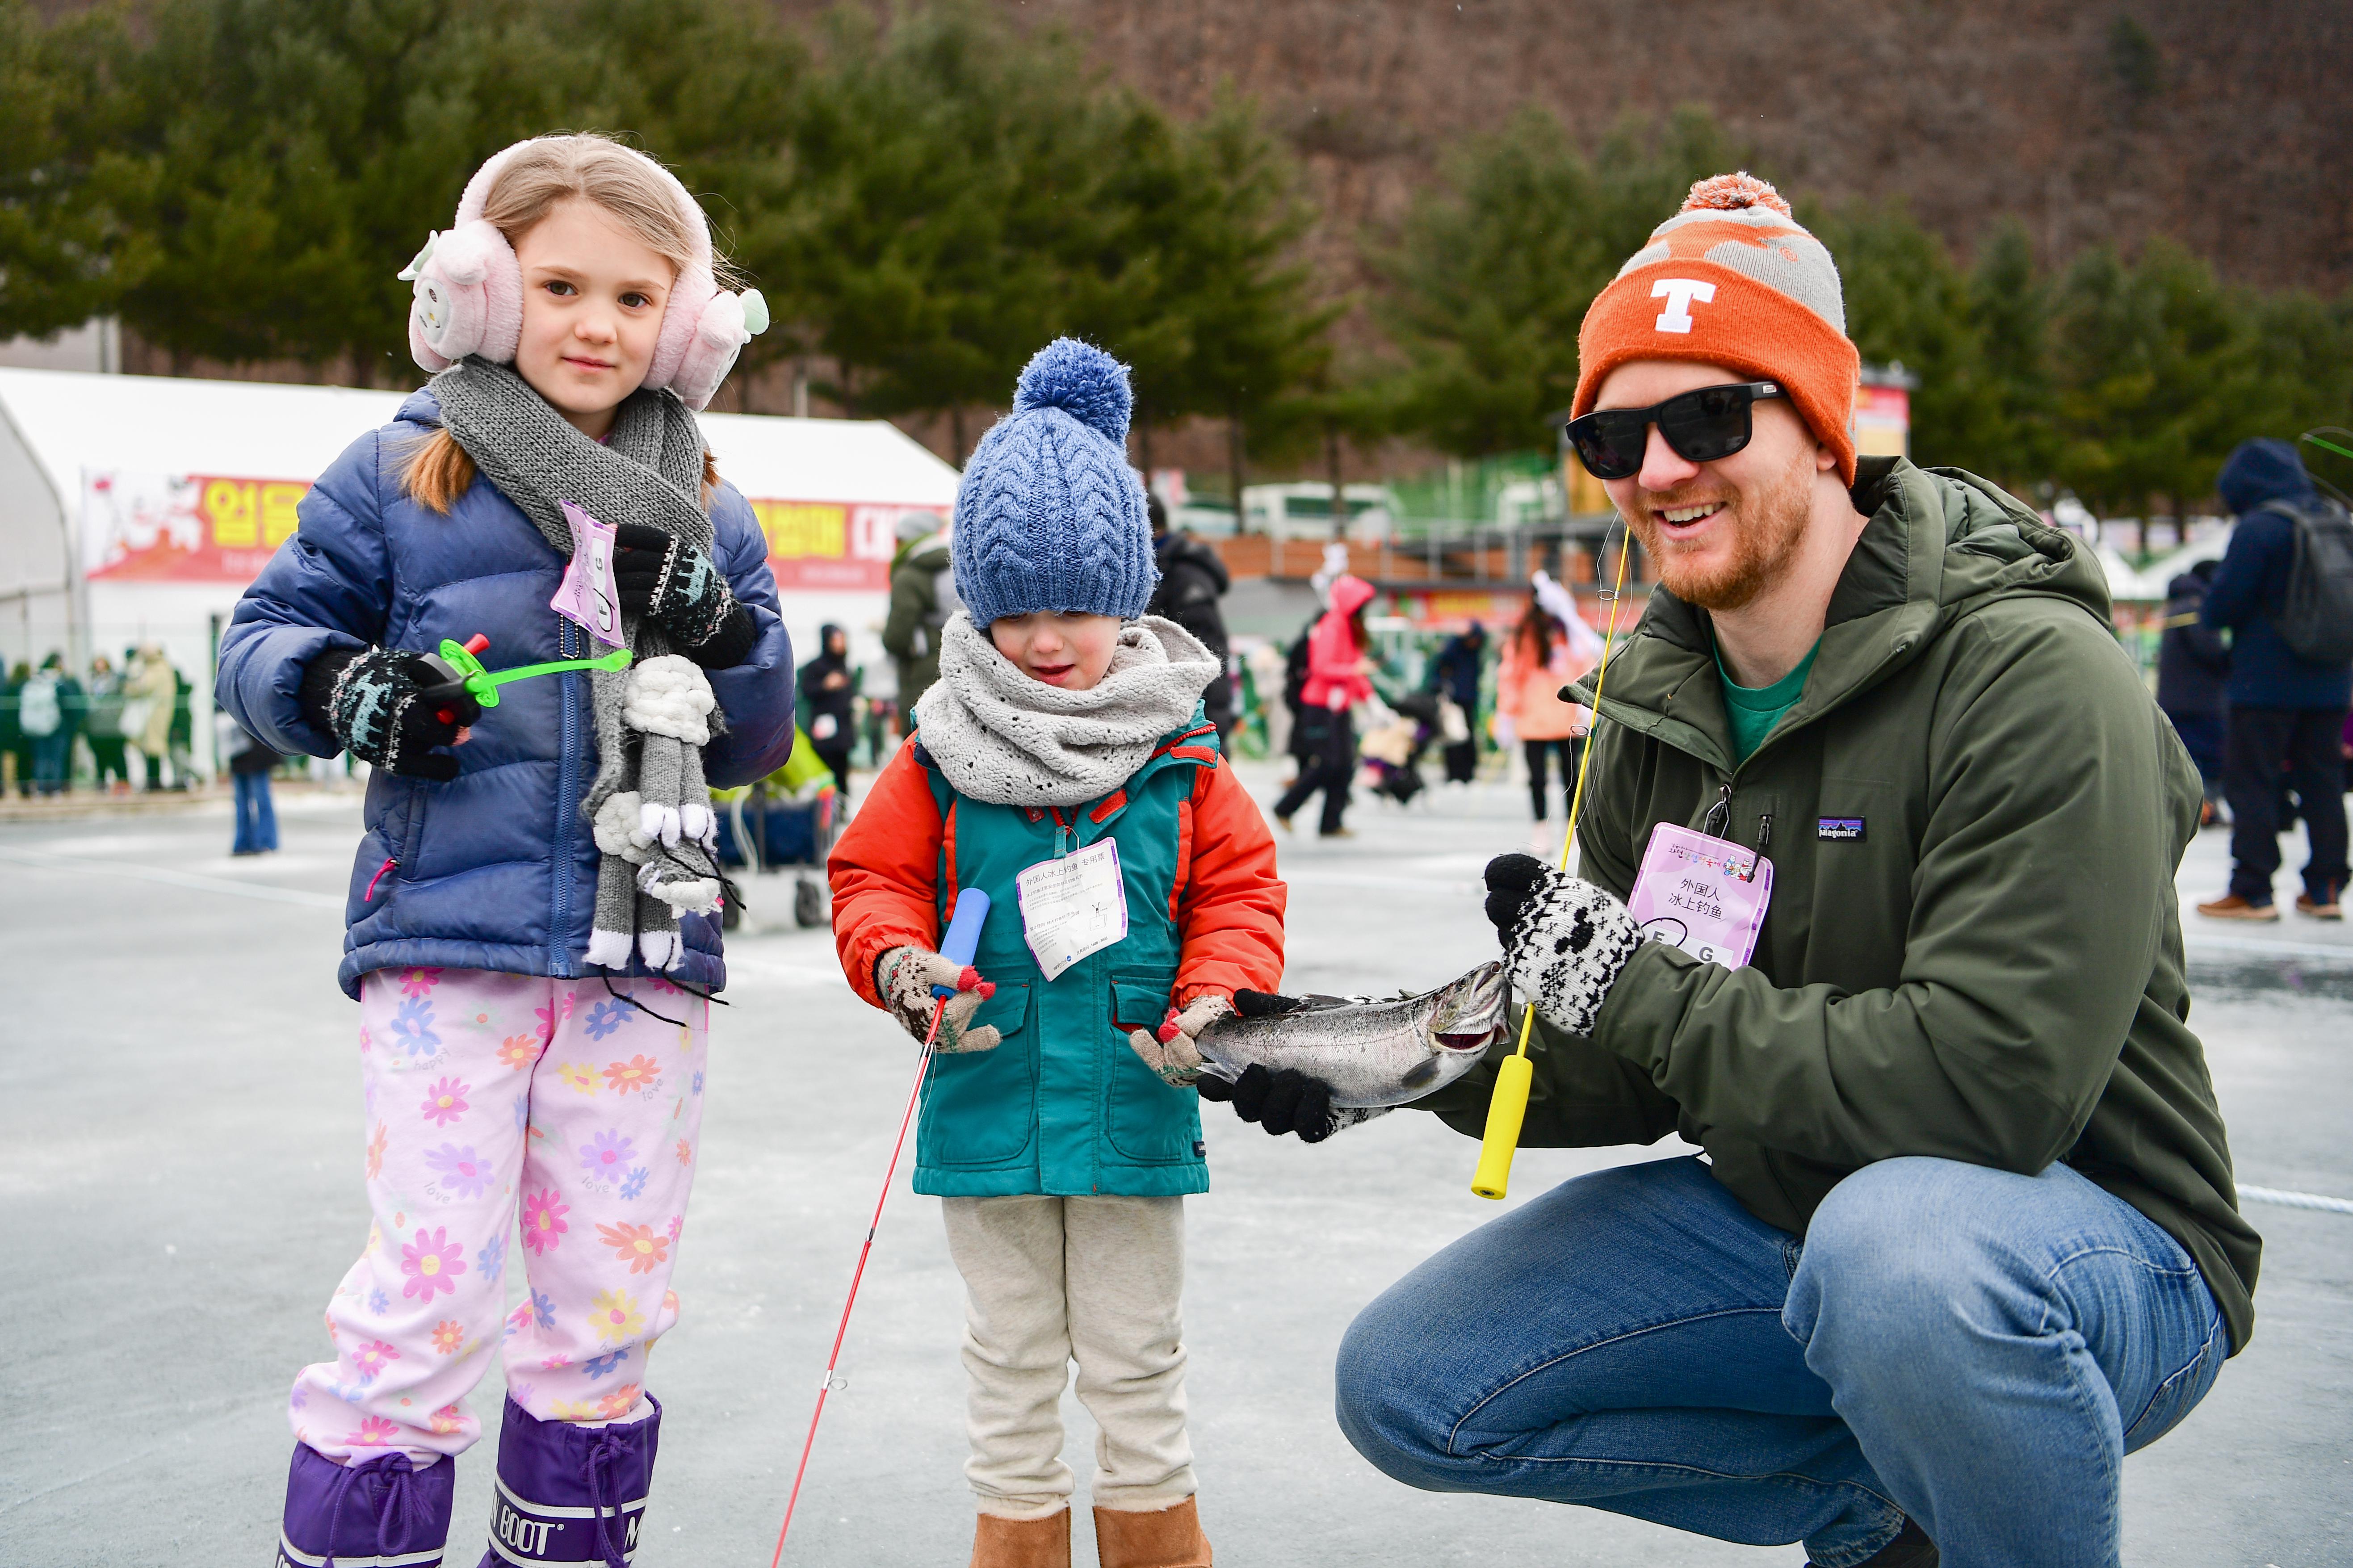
1734, 281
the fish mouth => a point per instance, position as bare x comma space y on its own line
1475, 1014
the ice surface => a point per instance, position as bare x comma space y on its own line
180, 1150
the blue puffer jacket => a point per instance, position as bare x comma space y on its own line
495, 869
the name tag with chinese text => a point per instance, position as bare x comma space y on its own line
1703, 894
1074, 906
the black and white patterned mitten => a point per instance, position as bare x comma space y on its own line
387, 707
1565, 939
682, 588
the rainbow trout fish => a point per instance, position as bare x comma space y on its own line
1370, 1053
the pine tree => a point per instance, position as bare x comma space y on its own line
1493, 275
67, 246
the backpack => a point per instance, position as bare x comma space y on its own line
1294, 667
2315, 617
40, 714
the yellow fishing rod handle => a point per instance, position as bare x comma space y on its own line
1506, 1109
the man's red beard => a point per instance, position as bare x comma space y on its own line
1768, 528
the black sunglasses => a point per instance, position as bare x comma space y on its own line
1702, 425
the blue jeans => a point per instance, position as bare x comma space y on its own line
52, 757
1974, 1349
257, 822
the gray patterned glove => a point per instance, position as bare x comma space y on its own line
1565, 939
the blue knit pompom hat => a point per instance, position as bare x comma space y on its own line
1050, 516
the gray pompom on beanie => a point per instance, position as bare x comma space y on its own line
1050, 516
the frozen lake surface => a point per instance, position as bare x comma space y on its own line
180, 1151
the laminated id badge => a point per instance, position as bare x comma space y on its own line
1074, 906
1703, 894
587, 596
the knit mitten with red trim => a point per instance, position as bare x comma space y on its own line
1170, 1049
904, 977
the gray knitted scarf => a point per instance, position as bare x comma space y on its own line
648, 471
1002, 737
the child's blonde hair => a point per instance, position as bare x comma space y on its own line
542, 175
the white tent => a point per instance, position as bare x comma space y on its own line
136, 508
2124, 584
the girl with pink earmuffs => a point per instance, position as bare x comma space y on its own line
533, 932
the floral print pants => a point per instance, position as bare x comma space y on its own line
488, 1097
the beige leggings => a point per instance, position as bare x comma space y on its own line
1053, 1280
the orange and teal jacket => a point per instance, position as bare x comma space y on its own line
1063, 1106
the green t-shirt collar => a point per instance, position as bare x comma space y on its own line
1753, 710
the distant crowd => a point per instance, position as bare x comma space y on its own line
114, 727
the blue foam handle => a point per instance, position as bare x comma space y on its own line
964, 933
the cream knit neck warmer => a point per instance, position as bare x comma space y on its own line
1000, 737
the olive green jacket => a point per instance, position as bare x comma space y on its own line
911, 634
1989, 968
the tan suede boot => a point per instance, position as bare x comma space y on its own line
998, 1542
1170, 1538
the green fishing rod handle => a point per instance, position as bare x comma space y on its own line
619, 659
484, 685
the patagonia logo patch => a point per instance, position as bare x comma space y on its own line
1200, 1150
1849, 829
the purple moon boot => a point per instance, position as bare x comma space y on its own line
570, 1493
384, 1513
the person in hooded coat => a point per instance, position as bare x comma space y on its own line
922, 597
1192, 580
1338, 678
828, 696
2285, 710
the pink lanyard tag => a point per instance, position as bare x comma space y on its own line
587, 596
1703, 894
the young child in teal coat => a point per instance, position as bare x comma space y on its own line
1063, 765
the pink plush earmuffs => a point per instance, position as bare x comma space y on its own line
469, 297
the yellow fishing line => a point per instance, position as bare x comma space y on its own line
1508, 1107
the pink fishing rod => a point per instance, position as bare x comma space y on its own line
962, 941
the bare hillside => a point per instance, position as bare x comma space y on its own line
2230, 128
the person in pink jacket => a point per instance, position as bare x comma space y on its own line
1337, 680
1540, 657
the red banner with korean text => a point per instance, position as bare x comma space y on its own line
183, 528
834, 545
216, 528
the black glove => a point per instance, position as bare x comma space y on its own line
387, 707
1279, 1101
1282, 1100
678, 584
